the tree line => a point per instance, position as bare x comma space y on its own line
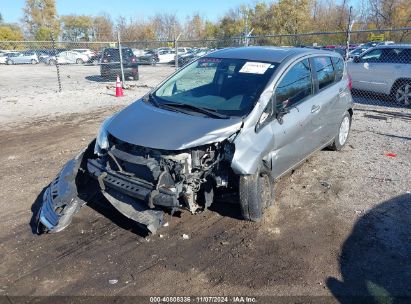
41, 20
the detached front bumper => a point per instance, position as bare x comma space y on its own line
60, 200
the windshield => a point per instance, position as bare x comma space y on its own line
227, 86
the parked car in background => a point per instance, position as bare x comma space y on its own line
230, 122
183, 50
361, 48
67, 57
384, 69
95, 58
87, 52
4, 56
110, 63
166, 56
145, 57
22, 57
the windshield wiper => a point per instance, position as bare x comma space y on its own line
209, 112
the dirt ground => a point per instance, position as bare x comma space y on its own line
340, 224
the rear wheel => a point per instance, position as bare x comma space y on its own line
52, 62
33, 61
256, 193
343, 132
402, 92
79, 61
9, 61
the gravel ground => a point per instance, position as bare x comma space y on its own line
340, 225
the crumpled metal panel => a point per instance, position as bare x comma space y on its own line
60, 200
133, 209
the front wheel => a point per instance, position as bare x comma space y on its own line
256, 193
79, 61
33, 61
342, 136
9, 62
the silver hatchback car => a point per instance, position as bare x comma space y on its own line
234, 120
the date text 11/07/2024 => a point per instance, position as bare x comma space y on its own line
204, 299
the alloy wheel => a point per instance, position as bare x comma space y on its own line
344, 129
403, 94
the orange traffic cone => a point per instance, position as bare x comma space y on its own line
119, 88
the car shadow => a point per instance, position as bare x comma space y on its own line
99, 204
35, 208
226, 204
99, 78
375, 260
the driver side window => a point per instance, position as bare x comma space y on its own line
295, 86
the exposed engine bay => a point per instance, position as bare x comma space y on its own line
175, 180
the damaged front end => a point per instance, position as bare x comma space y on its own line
141, 183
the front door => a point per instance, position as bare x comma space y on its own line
294, 132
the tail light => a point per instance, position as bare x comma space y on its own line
349, 85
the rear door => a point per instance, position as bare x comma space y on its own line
327, 99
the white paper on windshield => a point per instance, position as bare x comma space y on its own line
255, 67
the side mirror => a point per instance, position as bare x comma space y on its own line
356, 59
282, 109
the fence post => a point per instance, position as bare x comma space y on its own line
349, 29
121, 58
53, 44
176, 50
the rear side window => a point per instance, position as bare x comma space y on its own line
295, 86
339, 68
404, 56
325, 71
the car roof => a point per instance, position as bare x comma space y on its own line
267, 53
393, 46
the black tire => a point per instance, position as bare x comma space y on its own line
400, 92
153, 62
33, 61
79, 61
52, 62
9, 62
338, 143
256, 193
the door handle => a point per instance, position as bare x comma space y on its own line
315, 108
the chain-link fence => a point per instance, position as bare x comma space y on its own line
378, 61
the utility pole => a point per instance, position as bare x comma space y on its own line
121, 58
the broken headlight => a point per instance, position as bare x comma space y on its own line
102, 136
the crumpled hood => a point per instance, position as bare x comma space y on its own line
145, 125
